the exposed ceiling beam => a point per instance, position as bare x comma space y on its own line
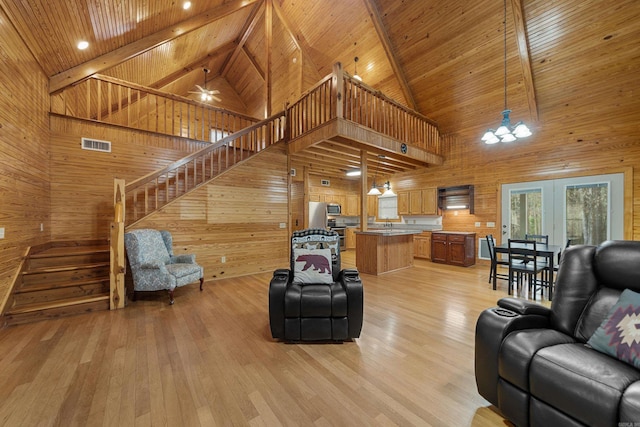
388, 48
252, 21
268, 36
199, 63
131, 50
298, 40
525, 60
253, 62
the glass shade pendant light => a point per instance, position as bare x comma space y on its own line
374, 188
505, 132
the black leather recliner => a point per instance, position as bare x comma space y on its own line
316, 311
532, 363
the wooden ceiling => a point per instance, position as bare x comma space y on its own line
572, 66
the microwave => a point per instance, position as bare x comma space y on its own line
333, 209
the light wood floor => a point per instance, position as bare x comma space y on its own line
209, 360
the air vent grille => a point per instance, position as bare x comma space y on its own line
96, 145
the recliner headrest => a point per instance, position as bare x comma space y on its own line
617, 264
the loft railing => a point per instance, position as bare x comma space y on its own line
109, 100
151, 192
339, 95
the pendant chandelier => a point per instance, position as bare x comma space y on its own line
506, 132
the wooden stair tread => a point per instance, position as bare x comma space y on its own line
55, 269
57, 304
47, 286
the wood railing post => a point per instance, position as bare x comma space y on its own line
337, 88
116, 243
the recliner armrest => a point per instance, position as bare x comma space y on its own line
349, 278
277, 289
522, 306
493, 325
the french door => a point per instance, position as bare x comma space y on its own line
587, 210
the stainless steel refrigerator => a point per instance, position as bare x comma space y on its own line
317, 215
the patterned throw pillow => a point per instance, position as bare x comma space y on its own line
619, 333
312, 266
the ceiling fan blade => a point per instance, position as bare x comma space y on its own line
200, 88
214, 92
216, 98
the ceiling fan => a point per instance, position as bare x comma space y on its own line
206, 95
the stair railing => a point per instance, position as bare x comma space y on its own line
149, 193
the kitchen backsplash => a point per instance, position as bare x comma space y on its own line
407, 223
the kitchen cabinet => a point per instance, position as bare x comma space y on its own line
422, 245
350, 237
339, 199
372, 206
403, 203
352, 205
455, 248
418, 202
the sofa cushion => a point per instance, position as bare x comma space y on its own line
519, 347
580, 382
619, 333
630, 404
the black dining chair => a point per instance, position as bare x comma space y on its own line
556, 266
539, 238
524, 263
495, 262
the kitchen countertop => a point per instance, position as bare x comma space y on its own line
389, 232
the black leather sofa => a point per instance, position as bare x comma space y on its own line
330, 311
533, 363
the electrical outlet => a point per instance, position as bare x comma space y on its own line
478, 224
491, 224
2, 233
223, 259
283, 225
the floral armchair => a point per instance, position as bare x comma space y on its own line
153, 265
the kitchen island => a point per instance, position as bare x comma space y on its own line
382, 251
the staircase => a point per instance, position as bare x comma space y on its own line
61, 279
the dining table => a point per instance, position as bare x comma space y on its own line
549, 252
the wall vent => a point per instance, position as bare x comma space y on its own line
96, 145
325, 182
293, 172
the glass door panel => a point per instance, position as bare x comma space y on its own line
587, 213
526, 212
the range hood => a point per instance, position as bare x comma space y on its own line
457, 197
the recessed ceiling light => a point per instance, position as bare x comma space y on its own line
82, 45
186, 5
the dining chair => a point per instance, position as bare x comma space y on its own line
495, 262
539, 238
524, 262
556, 266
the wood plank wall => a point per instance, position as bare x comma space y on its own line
24, 152
237, 216
82, 180
542, 156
